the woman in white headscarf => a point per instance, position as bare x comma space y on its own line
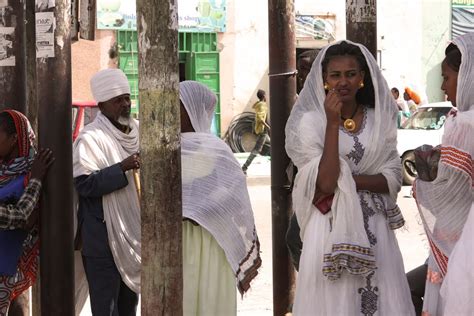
446, 202
220, 243
341, 135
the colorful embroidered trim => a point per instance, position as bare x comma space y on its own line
248, 267
459, 160
354, 259
440, 258
395, 218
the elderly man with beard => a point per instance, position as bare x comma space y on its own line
105, 156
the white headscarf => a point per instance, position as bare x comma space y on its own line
214, 188
465, 90
444, 203
98, 146
305, 133
200, 103
108, 84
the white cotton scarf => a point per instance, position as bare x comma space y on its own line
101, 145
348, 248
214, 188
445, 203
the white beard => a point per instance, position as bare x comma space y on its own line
125, 121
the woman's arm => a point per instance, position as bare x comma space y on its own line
376, 183
329, 165
16, 215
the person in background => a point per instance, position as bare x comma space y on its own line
293, 240
303, 66
261, 127
403, 111
21, 174
221, 251
445, 200
105, 157
412, 98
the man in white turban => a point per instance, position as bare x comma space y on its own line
105, 155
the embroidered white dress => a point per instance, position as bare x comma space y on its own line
384, 291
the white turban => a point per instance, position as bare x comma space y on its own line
108, 84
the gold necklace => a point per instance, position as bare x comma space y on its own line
349, 124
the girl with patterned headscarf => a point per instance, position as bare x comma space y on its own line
20, 184
446, 202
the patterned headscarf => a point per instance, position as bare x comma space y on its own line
26, 149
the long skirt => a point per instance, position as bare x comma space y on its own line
382, 292
209, 282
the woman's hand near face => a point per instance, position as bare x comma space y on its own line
333, 106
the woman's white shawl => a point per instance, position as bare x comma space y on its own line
445, 203
214, 187
101, 145
348, 247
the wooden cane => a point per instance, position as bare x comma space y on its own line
136, 178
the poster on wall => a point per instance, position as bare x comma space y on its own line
116, 15
7, 37
45, 27
202, 15
463, 17
194, 15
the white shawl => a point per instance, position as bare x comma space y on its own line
445, 203
214, 187
101, 145
348, 247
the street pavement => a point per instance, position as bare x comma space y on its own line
258, 300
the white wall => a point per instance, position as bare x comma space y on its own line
244, 57
400, 41
412, 37
436, 35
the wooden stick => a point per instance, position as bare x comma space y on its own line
136, 178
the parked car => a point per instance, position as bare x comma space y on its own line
83, 113
425, 126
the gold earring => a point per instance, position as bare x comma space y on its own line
361, 84
326, 86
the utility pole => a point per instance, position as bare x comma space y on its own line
282, 43
160, 132
361, 23
13, 67
87, 12
54, 124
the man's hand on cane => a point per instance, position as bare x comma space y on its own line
132, 162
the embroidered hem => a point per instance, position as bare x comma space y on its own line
248, 267
354, 259
395, 218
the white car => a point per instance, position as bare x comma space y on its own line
425, 126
